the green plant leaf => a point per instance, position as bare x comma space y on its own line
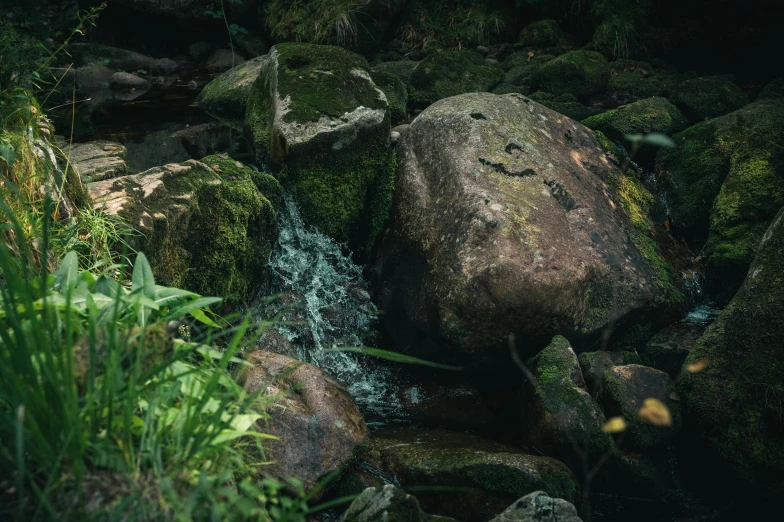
394, 356
200, 316
166, 296
7, 152
67, 275
191, 306
142, 278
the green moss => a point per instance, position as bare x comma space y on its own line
401, 68
617, 38
608, 145
258, 118
508, 88
450, 73
581, 73
226, 97
642, 117
316, 91
638, 205
708, 97
209, 233
728, 405
396, 94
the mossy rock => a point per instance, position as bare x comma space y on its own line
642, 117
624, 390
581, 73
396, 93
492, 475
773, 90
565, 104
594, 364
401, 68
632, 80
723, 184
542, 33
522, 74
739, 441
205, 226
708, 97
316, 117
226, 97
450, 73
564, 421
667, 350
388, 503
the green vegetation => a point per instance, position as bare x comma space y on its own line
450, 73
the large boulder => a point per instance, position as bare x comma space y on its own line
491, 475
724, 182
317, 425
581, 73
226, 97
322, 124
449, 73
563, 420
508, 218
539, 507
733, 406
708, 97
359, 26
204, 225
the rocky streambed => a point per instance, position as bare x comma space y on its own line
432, 208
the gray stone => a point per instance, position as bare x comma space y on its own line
387, 503
98, 160
538, 507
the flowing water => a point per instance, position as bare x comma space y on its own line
334, 311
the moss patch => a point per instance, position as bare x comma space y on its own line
642, 117
565, 104
581, 73
450, 73
396, 94
226, 97
708, 97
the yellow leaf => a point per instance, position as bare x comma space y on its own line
698, 365
614, 425
654, 412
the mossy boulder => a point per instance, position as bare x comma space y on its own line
773, 90
667, 350
566, 104
542, 33
482, 241
708, 97
624, 391
594, 364
226, 97
492, 475
400, 68
632, 80
724, 182
729, 407
396, 93
641, 117
581, 73
316, 117
449, 73
205, 226
563, 420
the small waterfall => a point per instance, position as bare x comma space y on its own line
335, 311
